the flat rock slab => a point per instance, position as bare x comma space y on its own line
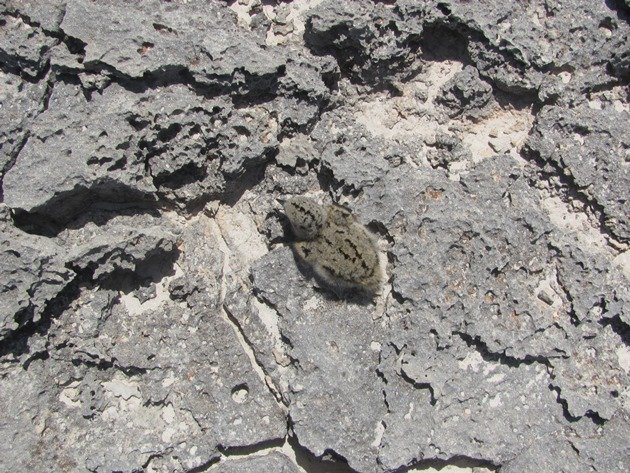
154, 315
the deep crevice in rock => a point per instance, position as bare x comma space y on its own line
330, 461
487, 355
204, 466
563, 402
619, 327
99, 212
418, 385
17, 344
460, 461
244, 450
52, 217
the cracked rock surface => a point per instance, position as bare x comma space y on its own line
153, 316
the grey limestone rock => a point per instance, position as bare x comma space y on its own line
591, 148
547, 454
335, 400
173, 381
350, 156
21, 103
607, 450
153, 316
491, 249
526, 40
591, 379
364, 39
154, 37
465, 93
274, 461
23, 46
114, 243
90, 142
443, 402
33, 273
46, 14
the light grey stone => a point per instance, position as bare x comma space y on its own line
334, 391
608, 449
274, 461
46, 14
155, 37
443, 403
153, 315
589, 146
591, 379
119, 244
166, 385
21, 102
547, 454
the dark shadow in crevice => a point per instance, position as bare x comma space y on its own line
334, 187
250, 178
155, 267
16, 344
92, 210
418, 385
478, 345
189, 173
518, 102
245, 450
619, 327
565, 406
329, 462
459, 461
347, 44
441, 42
621, 8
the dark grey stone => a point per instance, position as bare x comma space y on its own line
465, 94
474, 253
93, 156
33, 273
153, 315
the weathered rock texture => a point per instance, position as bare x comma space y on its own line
153, 316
